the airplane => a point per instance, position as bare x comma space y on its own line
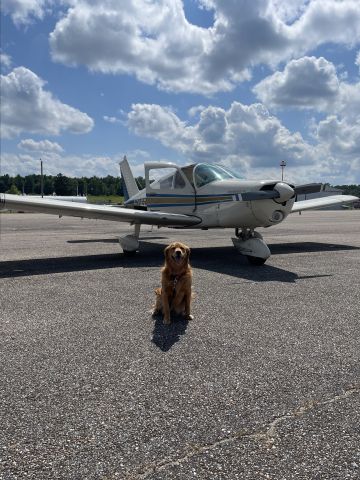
202, 196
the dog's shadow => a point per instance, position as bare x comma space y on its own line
165, 336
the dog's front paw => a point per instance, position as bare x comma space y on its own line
155, 313
167, 321
189, 317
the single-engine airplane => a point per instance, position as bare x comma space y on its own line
201, 196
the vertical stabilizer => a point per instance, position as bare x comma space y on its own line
129, 183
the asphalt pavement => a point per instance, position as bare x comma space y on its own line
264, 383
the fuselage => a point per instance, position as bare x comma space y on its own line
218, 202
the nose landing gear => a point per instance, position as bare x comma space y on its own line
251, 244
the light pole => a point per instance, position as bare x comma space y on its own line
282, 165
41, 179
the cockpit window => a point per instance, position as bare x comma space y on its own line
170, 181
205, 173
232, 173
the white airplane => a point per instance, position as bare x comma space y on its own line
201, 196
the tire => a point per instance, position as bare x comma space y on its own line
256, 260
129, 253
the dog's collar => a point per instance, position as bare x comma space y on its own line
175, 279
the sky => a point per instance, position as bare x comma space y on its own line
243, 83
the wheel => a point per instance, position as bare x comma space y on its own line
129, 253
256, 260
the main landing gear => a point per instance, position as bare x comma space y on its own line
130, 243
251, 244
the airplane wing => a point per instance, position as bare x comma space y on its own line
322, 202
103, 212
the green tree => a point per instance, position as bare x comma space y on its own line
13, 190
64, 185
48, 185
141, 182
29, 186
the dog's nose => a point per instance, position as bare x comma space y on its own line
178, 253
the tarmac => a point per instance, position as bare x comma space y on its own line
264, 383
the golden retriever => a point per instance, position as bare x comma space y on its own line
176, 278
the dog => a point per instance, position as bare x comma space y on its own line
176, 279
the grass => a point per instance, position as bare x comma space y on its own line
105, 199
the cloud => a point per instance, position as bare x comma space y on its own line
70, 165
42, 146
24, 11
5, 60
248, 133
305, 83
357, 61
341, 138
27, 107
161, 123
249, 139
86, 165
111, 119
155, 42
312, 83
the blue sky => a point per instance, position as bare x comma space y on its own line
245, 84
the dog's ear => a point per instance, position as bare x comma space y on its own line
187, 250
167, 250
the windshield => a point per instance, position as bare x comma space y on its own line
205, 173
231, 172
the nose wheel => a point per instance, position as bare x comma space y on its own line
251, 244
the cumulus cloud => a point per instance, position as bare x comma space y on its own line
340, 137
155, 42
357, 61
70, 165
5, 60
27, 107
251, 140
305, 83
23, 11
312, 83
248, 134
42, 146
86, 165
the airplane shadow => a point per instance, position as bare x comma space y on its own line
165, 336
222, 259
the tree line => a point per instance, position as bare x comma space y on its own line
63, 185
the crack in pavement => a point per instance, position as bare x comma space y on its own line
267, 436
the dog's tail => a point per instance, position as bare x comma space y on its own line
129, 182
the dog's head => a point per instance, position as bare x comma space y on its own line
177, 254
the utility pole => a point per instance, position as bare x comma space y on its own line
42, 178
282, 165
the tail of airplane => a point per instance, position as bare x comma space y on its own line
129, 182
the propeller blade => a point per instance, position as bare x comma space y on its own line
308, 188
280, 192
259, 195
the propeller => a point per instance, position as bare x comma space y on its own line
280, 192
